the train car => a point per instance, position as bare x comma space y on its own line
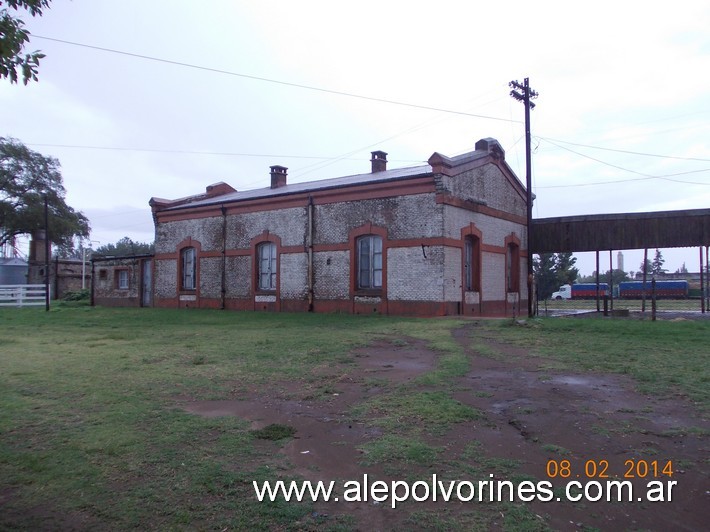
664, 289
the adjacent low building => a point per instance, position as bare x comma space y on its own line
445, 238
122, 281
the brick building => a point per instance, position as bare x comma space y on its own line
65, 275
122, 281
444, 238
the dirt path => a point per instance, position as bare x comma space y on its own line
531, 416
541, 415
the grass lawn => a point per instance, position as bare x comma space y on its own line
90, 437
663, 356
88, 427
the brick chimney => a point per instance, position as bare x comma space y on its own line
38, 247
278, 176
492, 146
379, 161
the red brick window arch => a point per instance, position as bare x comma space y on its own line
472, 263
368, 260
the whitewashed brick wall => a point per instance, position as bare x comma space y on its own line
293, 275
166, 278
211, 277
403, 216
239, 277
208, 231
288, 224
493, 276
452, 274
332, 274
489, 185
494, 230
413, 277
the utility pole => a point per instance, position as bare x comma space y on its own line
523, 93
47, 252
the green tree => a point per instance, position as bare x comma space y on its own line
13, 37
565, 269
552, 270
618, 276
26, 178
545, 275
125, 247
657, 264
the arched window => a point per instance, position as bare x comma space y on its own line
512, 267
369, 262
188, 263
471, 263
267, 266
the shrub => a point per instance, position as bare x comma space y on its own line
77, 295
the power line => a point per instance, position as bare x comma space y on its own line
188, 152
552, 141
645, 177
278, 82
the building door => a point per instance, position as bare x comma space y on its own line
147, 290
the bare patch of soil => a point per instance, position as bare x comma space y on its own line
327, 441
532, 415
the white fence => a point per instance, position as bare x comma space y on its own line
22, 295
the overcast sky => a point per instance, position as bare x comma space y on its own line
622, 122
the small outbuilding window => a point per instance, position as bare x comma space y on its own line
267, 265
369, 257
189, 269
122, 279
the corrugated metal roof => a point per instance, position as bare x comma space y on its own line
635, 230
310, 186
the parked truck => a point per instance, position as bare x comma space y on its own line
581, 291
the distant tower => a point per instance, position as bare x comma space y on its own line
620, 261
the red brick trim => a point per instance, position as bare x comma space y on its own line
353, 235
512, 280
364, 191
476, 236
453, 201
189, 242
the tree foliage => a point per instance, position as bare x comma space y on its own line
125, 247
565, 269
617, 276
545, 275
14, 61
26, 178
645, 266
657, 264
552, 270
